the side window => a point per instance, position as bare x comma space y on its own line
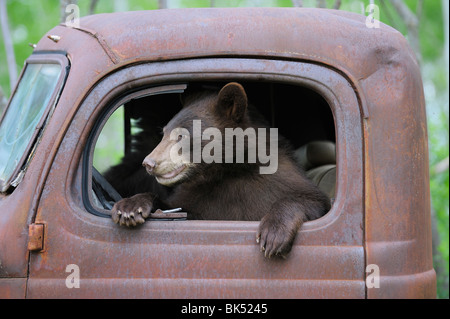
110, 148
130, 130
122, 137
26, 115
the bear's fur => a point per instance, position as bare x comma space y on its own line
228, 191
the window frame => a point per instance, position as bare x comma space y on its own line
306, 74
36, 58
88, 156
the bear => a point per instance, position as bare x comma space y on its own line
282, 199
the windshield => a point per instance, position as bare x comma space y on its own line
24, 117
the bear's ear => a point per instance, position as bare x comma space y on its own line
232, 102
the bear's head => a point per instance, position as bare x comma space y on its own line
193, 137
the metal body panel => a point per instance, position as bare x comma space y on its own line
398, 220
13, 288
329, 250
18, 209
381, 215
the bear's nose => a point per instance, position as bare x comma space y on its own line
149, 164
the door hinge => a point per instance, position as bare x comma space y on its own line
36, 234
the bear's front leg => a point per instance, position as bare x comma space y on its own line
277, 232
134, 210
279, 227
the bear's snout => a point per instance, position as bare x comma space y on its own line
149, 164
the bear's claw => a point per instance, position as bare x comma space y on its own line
132, 211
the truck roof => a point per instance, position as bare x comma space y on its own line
336, 38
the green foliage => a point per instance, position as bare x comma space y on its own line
28, 23
438, 128
109, 148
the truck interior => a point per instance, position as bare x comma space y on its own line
301, 115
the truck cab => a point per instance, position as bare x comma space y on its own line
349, 99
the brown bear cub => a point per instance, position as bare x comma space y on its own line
228, 188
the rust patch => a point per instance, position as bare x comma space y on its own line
36, 237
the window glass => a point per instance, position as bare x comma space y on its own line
109, 149
23, 115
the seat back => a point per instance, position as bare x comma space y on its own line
318, 159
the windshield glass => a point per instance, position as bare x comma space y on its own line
24, 116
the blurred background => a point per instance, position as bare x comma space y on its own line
424, 23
